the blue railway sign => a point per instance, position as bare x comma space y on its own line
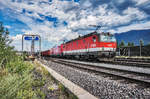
28, 37
36, 38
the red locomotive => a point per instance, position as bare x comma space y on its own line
92, 45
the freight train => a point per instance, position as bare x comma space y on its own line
90, 46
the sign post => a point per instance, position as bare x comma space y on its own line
32, 38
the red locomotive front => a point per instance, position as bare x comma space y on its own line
107, 44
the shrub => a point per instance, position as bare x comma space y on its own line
15, 74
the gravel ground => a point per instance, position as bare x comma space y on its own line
103, 87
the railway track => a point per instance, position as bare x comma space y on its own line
144, 63
141, 75
133, 59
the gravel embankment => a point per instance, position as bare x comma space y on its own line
100, 86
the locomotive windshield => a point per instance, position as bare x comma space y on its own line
107, 38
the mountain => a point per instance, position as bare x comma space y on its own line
134, 36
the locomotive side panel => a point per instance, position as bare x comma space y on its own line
81, 46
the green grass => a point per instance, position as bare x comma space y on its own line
16, 80
40, 94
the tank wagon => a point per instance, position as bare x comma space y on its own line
93, 45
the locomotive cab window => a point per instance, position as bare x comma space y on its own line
94, 39
107, 38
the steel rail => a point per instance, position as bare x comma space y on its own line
131, 63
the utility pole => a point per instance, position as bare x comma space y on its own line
140, 49
141, 44
128, 51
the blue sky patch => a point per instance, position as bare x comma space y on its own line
52, 19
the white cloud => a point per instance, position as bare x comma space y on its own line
16, 41
87, 3
139, 2
133, 13
7, 26
17, 37
76, 18
136, 26
107, 17
45, 29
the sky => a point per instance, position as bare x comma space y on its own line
59, 20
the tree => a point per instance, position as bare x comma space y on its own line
4, 36
5, 50
132, 44
122, 44
129, 44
